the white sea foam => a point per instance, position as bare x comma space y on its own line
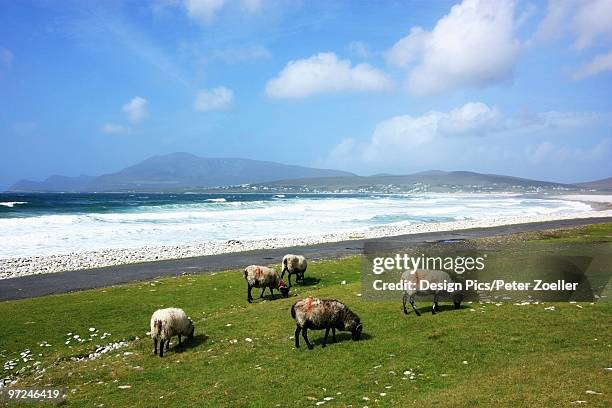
11, 204
290, 218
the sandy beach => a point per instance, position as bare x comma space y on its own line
17, 267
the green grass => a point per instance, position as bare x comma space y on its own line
516, 355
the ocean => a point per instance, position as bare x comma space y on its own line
48, 224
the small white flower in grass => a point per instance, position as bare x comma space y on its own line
328, 398
124, 387
365, 398
320, 403
343, 282
464, 362
92, 329
228, 325
383, 394
591, 392
250, 340
608, 368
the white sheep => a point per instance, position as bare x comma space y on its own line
166, 323
432, 277
294, 265
263, 277
319, 314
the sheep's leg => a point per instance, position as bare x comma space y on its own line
325, 338
305, 336
413, 306
167, 344
272, 292
249, 297
262, 292
179, 336
289, 278
155, 345
404, 299
298, 329
334, 334
161, 348
282, 274
434, 306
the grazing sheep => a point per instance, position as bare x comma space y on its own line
431, 276
166, 323
294, 265
319, 314
263, 277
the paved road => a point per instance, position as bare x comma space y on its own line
63, 282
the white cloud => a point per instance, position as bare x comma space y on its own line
409, 48
213, 99
205, 11
6, 57
472, 46
136, 109
459, 137
546, 152
359, 49
253, 52
113, 128
600, 63
588, 21
323, 73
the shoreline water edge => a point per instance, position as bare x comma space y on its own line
23, 266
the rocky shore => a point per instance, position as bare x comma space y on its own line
15, 267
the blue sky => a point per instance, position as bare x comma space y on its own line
514, 87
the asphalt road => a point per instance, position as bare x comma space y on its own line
63, 282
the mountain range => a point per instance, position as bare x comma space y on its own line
184, 171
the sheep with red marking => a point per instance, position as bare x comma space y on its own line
416, 280
167, 323
319, 314
263, 277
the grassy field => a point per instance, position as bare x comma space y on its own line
244, 355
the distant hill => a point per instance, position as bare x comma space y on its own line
178, 171
428, 180
603, 184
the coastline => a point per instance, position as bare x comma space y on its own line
76, 261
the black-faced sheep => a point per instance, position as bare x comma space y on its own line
263, 277
294, 265
319, 314
166, 323
416, 279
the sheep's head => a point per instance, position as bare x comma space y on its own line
283, 289
457, 299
